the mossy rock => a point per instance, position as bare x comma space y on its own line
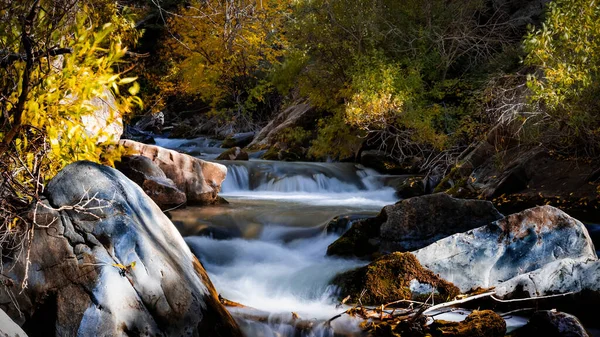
234, 153
229, 142
484, 323
392, 278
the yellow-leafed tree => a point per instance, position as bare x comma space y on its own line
221, 50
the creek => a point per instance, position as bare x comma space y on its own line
266, 248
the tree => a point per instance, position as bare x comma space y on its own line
222, 50
53, 64
566, 51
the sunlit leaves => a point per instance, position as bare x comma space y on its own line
67, 92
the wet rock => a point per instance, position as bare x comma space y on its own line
8, 328
234, 153
137, 135
200, 180
342, 223
361, 240
110, 263
238, 140
153, 181
552, 324
484, 323
412, 224
518, 244
396, 276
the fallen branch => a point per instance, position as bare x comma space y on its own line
464, 300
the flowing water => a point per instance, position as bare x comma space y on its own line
266, 248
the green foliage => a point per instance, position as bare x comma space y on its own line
395, 71
294, 136
567, 51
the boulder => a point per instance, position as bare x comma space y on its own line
153, 181
234, 153
238, 140
567, 275
393, 277
8, 328
341, 223
138, 135
484, 323
105, 261
200, 180
551, 323
518, 244
413, 223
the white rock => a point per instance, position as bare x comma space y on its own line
515, 245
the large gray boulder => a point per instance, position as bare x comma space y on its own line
516, 245
200, 180
105, 261
413, 223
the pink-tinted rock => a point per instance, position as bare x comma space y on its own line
198, 179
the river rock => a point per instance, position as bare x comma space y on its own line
234, 153
238, 140
518, 244
153, 181
484, 323
552, 323
200, 180
8, 328
413, 223
341, 223
105, 261
393, 277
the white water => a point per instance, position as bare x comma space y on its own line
262, 268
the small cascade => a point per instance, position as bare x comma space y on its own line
299, 177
